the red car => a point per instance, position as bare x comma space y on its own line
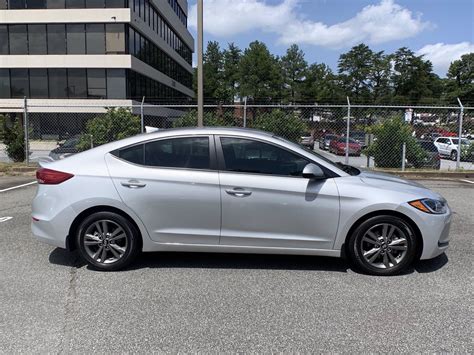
338, 147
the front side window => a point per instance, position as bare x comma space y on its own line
246, 155
189, 152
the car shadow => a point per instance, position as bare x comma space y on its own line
239, 261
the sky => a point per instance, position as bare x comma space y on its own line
441, 30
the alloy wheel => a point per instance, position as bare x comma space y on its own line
384, 246
105, 241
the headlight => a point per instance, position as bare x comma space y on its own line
429, 205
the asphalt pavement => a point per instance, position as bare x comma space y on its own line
182, 302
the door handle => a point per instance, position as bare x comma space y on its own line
133, 184
238, 192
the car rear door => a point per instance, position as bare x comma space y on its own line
267, 203
173, 186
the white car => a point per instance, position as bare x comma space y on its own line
448, 146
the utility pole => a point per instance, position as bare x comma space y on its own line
200, 83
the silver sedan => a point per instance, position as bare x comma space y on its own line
232, 191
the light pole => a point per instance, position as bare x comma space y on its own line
200, 85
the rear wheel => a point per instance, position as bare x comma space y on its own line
383, 245
107, 241
454, 155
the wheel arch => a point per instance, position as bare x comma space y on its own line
400, 215
70, 240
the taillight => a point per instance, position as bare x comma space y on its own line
51, 177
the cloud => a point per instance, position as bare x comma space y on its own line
374, 24
442, 55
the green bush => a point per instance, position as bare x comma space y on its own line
467, 154
13, 136
114, 125
210, 119
387, 148
287, 125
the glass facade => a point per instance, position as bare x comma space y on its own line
91, 38
148, 13
148, 52
179, 11
81, 83
61, 4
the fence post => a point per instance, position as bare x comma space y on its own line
27, 138
346, 161
461, 113
142, 118
404, 153
245, 111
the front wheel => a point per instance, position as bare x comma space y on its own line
382, 245
107, 241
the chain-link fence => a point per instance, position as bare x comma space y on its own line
385, 137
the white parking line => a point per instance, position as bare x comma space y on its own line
468, 181
18, 186
4, 219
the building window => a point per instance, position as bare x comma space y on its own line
116, 88
56, 39
57, 83
95, 3
17, 4
55, 4
36, 4
18, 39
4, 39
76, 39
4, 83
77, 83
115, 38
95, 38
96, 83
19, 83
37, 39
39, 83
74, 4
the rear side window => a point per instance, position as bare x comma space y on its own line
189, 152
186, 152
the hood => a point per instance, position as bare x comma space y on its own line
395, 183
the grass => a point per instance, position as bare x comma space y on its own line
17, 168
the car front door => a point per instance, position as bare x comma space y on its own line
267, 203
441, 145
171, 185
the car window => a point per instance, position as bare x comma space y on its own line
463, 141
343, 140
428, 146
441, 140
246, 155
132, 154
186, 152
70, 143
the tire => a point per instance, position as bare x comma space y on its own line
454, 155
110, 246
387, 260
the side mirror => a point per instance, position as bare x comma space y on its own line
313, 171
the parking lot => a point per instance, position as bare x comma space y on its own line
51, 302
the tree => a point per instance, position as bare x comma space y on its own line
281, 123
321, 85
260, 75
460, 81
355, 70
210, 119
116, 124
232, 57
13, 136
413, 78
213, 66
387, 149
294, 70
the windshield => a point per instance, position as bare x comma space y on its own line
463, 141
346, 168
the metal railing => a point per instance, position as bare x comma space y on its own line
369, 136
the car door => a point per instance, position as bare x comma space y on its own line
171, 184
267, 203
441, 145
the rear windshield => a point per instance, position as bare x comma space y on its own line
428, 146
